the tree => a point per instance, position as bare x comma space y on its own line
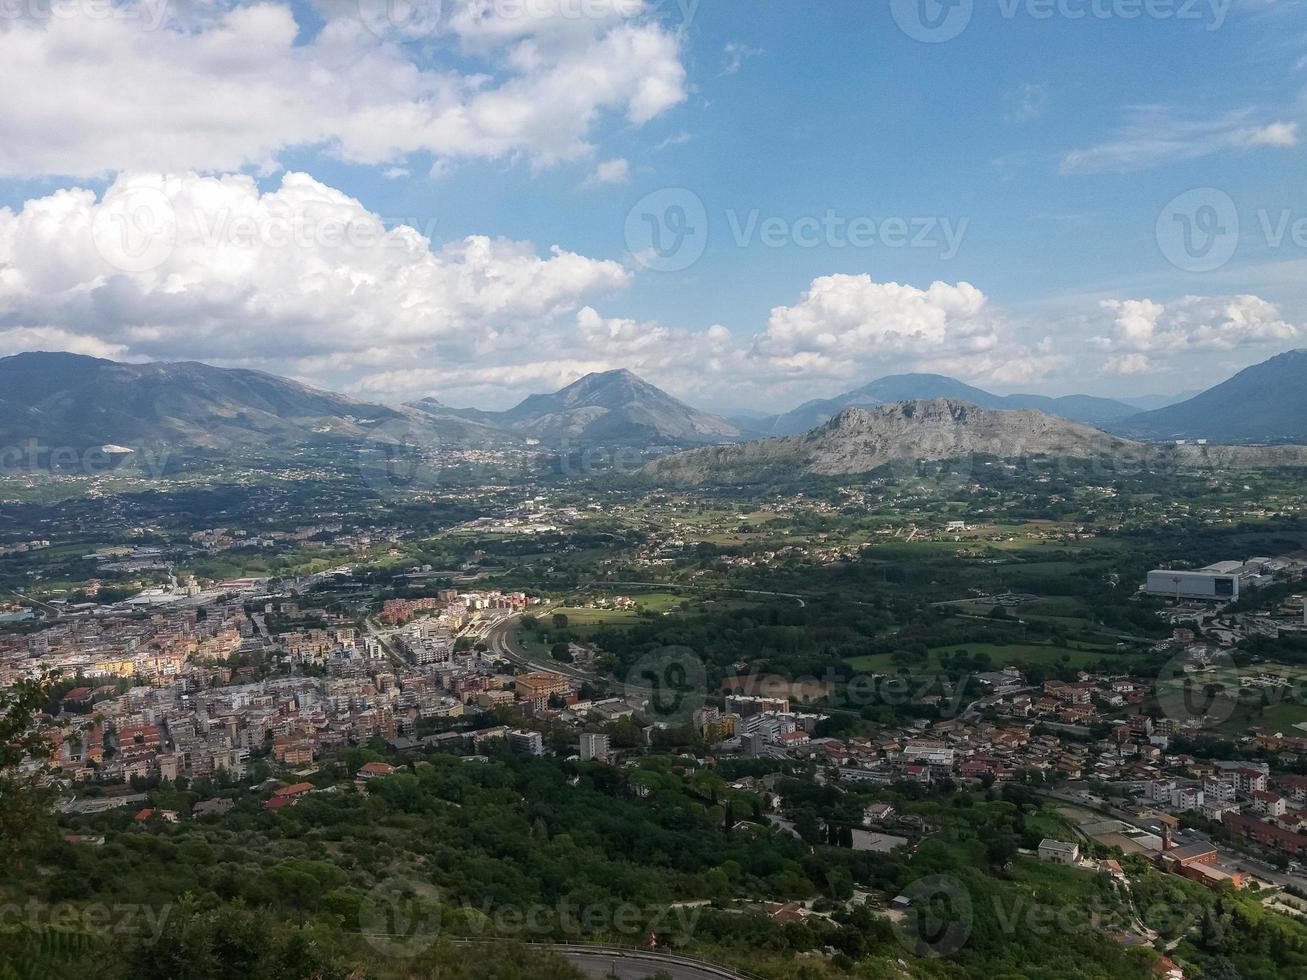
24, 805
561, 652
560, 621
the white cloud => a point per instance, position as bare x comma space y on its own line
302, 275
19, 339
1275, 134
1128, 364
1155, 135
303, 280
229, 90
736, 55
610, 172
1192, 323
847, 319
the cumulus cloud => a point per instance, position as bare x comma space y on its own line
1139, 326
302, 279
230, 87
1128, 364
189, 266
847, 319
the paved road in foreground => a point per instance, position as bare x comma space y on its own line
633, 964
640, 966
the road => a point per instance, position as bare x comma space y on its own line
633, 964
376, 633
640, 966
497, 639
679, 586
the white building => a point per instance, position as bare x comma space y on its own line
526, 742
1211, 584
1058, 851
594, 747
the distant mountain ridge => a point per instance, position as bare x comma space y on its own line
1088, 409
861, 440
62, 399
615, 407
1266, 403
72, 400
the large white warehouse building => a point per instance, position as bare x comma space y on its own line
1214, 584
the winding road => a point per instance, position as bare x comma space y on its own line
633, 964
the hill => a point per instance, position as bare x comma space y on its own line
861, 440
76, 401
613, 407
1264, 403
1088, 409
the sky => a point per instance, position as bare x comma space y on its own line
750, 203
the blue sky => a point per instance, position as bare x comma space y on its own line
1036, 159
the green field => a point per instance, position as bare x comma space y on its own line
1000, 654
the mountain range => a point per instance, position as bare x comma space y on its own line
1266, 403
71, 400
612, 407
78, 401
858, 441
